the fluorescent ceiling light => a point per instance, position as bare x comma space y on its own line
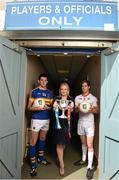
65, 53
61, 71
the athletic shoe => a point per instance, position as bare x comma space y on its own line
89, 174
44, 161
33, 172
80, 163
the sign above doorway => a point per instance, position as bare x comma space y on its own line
62, 15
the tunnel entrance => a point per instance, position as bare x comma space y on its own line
70, 61
72, 68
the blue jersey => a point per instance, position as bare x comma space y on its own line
47, 96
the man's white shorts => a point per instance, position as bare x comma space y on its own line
37, 125
85, 128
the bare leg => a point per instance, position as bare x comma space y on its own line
34, 137
42, 135
60, 154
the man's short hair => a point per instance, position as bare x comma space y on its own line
42, 75
85, 81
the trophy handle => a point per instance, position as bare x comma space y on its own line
70, 101
57, 105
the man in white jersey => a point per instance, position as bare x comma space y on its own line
86, 126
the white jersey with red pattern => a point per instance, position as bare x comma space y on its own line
90, 99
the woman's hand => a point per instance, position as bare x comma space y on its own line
70, 108
55, 105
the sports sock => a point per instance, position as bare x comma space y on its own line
41, 149
90, 158
32, 152
84, 152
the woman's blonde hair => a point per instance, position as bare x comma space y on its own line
64, 84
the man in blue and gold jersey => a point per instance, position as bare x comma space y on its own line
40, 102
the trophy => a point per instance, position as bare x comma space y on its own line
63, 104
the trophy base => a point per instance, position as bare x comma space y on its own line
59, 128
63, 117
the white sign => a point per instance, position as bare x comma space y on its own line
2, 20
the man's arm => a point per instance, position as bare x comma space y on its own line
95, 109
30, 104
77, 105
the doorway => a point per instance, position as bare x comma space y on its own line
71, 68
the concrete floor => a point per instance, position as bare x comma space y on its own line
52, 171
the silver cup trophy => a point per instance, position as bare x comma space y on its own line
63, 104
